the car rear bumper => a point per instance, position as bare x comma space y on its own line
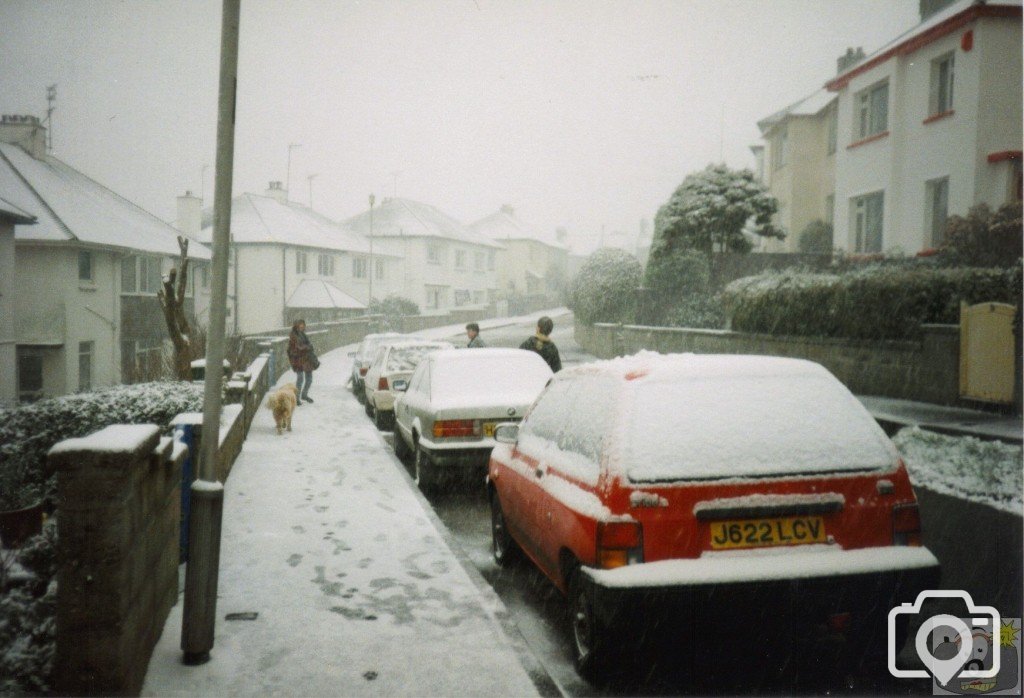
457, 456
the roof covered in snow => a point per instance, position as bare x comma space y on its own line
69, 206
940, 24
504, 224
12, 212
397, 217
264, 219
810, 105
317, 293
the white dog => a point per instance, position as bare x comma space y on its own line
282, 402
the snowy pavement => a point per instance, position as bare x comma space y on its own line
355, 586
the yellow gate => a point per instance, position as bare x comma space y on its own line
986, 352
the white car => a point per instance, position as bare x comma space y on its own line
395, 359
446, 415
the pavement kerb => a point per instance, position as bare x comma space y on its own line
542, 680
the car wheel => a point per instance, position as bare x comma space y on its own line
503, 547
423, 468
586, 634
381, 420
360, 393
401, 450
368, 408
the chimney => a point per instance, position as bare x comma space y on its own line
24, 131
508, 210
926, 8
277, 192
851, 58
190, 214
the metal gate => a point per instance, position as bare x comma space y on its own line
987, 352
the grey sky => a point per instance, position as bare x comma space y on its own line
577, 113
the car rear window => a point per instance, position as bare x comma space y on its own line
749, 426
408, 358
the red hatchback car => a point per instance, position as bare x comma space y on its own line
671, 494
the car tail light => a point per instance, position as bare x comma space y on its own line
619, 543
444, 428
906, 525
382, 383
363, 370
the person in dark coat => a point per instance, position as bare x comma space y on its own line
302, 358
542, 344
473, 332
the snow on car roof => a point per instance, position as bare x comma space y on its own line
678, 366
461, 377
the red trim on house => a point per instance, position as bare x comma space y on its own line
914, 43
1004, 155
967, 41
939, 115
869, 139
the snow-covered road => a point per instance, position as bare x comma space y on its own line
325, 537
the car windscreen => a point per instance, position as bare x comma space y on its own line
479, 376
408, 358
368, 348
749, 426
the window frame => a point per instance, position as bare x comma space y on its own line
779, 147
147, 269
86, 352
860, 206
435, 253
325, 264
865, 104
86, 265
932, 188
379, 269
939, 103
30, 393
360, 268
301, 262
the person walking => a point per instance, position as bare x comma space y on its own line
303, 359
473, 332
542, 344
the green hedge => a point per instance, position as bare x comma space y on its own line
875, 303
604, 289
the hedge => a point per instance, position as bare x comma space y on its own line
604, 289
874, 303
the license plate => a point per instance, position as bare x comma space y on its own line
763, 533
489, 428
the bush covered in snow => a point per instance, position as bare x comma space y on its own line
28, 604
680, 290
27, 432
870, 303
983, 238
987, 472
816, 238
604, 289
393, 308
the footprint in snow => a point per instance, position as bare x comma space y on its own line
294, 559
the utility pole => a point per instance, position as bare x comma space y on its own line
288, 172
394, 181
200, 605
310, 178
369, 269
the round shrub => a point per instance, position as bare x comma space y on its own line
604, 289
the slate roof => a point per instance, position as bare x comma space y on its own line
808, 106
396, 217
317, 293
69, 206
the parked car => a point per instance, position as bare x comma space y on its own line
696, 495
362, 357
395, 360
445, 418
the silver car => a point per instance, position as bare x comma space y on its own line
445, 415
395, 360
362, 357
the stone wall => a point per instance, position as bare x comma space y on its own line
119, 504
925, 370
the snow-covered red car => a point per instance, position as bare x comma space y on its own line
679, 493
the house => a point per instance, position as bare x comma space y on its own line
532, 264
797, 164
10, 215
86, 273
445, 265
291, 262
927, 126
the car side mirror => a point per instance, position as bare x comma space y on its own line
400, 385
507, 433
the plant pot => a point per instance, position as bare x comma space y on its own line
18, 525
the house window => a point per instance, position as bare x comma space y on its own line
129, 269
325, 265
478, 261
142, 360
30, 377
867, 222
378, 265
85, 350
490, 260
434, 253
359, 267
140, 275
833, 129
779, 148
478, 297
941, 95
204, 275
301, 263
435, 297
872, 106
936, 203
460, 259
830, 205
84, 265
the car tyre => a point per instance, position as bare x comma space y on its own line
402, 451
367, 407
381, 420
587, 636
357, 390
423, 470
504, 548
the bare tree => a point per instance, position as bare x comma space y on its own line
172, 302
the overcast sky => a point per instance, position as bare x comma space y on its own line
578, 113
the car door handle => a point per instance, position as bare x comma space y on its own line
539, 472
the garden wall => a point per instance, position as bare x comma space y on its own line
926, 370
